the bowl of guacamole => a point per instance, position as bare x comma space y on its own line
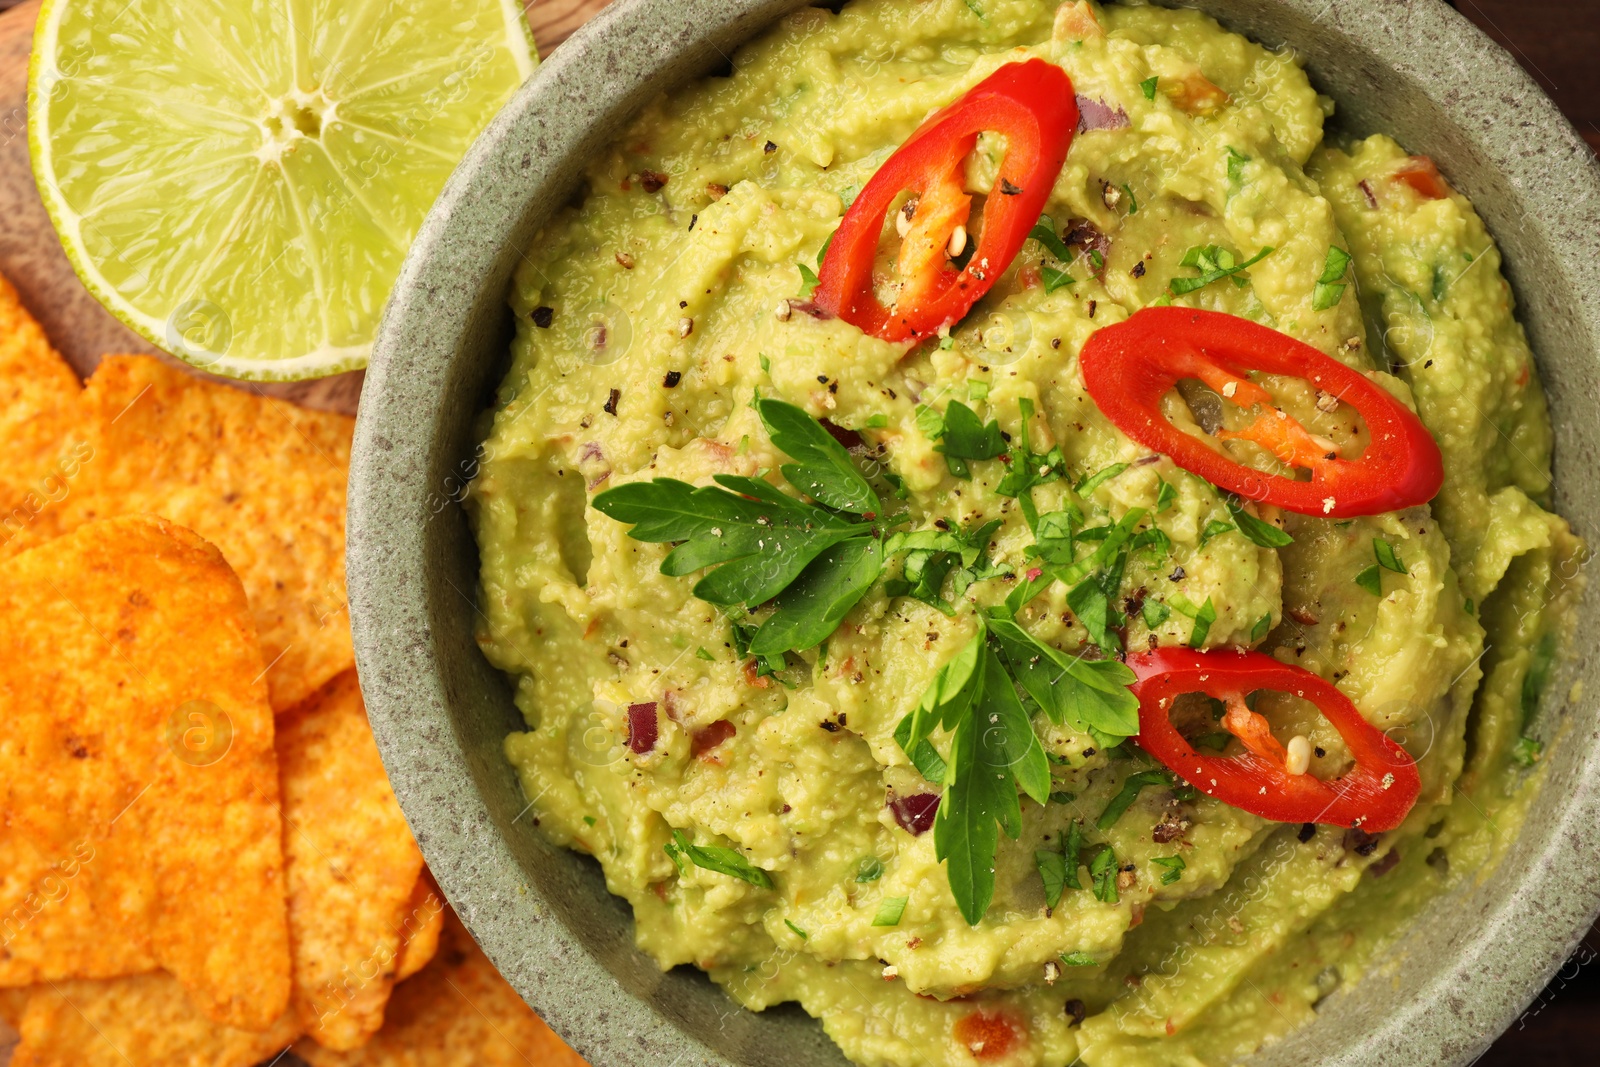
990, 531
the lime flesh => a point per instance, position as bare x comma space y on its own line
239, 180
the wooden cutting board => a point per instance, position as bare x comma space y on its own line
32, 258
83, 331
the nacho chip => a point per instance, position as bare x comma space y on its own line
457, 1012
13, 1002
38, 406
261, 479
352, 865
137, 772
142, 1021
424, 921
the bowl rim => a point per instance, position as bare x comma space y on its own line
610, 67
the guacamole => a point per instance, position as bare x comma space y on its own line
757, 811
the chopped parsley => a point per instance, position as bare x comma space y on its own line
1330, 287
1044, 231
1526, 751
1214, 263
1099, 478
890, 911
1133, 201
1371, 579
965, 437
1172, 868
1155, 613
797, 931
1080, 959
1203, 617
1054, 279
1132, 786
1148, 86
1388, 559
1257, 530
808, 281
1263, 624
1214, 528
870, 869
1165, 495
1053, 869
715, 858
1103, 875
1236, 162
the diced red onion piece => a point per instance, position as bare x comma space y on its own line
1098, 115
642, 732
915, 813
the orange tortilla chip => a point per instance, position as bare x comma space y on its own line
13, 1002
38, 407
142, 1021
137, 772
423, 923
262, 479
352, 866
457, 1012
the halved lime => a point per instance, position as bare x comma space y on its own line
238, 180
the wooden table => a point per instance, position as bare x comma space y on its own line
1556, 40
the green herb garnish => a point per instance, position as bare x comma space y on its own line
870, 869
1173, 868
1371, 579
1236, 162
797, 931
1099, 478
808, 281
1053, 869
817, 559
1215, 263
890, 911
966, 437
1149, 87
1103, 874
715, 858
1044, 231
1132, 786
1214, 528
1054, 279
1081, 959
1263, 624
1329, 289
1388, 559
1257, 530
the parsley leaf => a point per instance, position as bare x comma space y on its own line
1099, 478
1165, 495
1213, 529
890, 911
763, 544
1263, 624
1387, 557
1371, 579
813, 605
1203, 617
1086, 694
1044, 231
1328, 290
1214, 263
1073, 848
808, 281
1155, 613
1081, 959
1236, 162
967, 437
823, 470
797, 931
1054, 279
1103, 873
716, 858
1132, 786
1260, 531
1173, 865
1149, 87
1053, 869
764, 538
870, 869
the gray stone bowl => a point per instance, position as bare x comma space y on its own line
1412, 68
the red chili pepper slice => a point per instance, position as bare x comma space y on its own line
1422, 175
1375, 795
1032, 104
1129, 367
